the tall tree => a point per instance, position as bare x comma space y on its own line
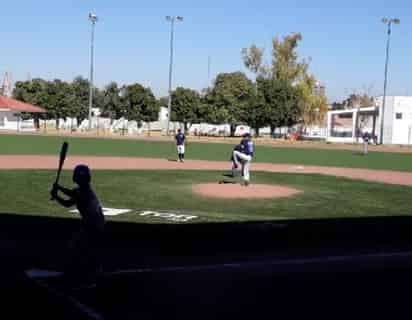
61, 100
280, 101
285, 64
253, 60
230, 98
111, 101
288, 68
314, 104
34, 92
185, 106
163, 102
139, 103
257, 115
80, 106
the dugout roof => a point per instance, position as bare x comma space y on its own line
19, 106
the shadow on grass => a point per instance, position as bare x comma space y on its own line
359, 153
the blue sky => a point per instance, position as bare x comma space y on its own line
345, 39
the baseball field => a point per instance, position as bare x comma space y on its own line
139, 181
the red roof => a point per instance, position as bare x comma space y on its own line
16, 105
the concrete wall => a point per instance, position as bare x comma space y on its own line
402, 120
388, 119
9, 121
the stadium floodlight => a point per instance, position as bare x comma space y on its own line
93, 19
388, 22
172, 20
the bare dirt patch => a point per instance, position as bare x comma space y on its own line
237, 191
9, 162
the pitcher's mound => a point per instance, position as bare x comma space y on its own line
237, 191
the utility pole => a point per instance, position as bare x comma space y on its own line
172, 20
93, 19
388, 22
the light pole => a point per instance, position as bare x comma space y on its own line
388, 22
93, 20
172, 20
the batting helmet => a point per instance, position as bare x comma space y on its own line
81, 175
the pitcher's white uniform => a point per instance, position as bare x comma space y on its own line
245, 158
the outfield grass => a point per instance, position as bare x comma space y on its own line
26, 192
45, 145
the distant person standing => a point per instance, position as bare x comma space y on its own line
366, 138
180, 143
245, 157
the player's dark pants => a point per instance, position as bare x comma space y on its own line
84, 254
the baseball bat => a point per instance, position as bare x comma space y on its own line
63, 153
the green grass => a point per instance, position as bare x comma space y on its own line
44, 145
26, 192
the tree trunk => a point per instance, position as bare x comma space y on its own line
36, 122
148, 129
272, 131
185, 127
57, 123
232, 130
257, 132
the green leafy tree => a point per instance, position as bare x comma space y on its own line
253, 60
279, 103
185, 106
62, 98
34, 92
80, 107
163, 102
111, 101
230, 98
257, 115
285, 64
139, 103
314, 105
287, 67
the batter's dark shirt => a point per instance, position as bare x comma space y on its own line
90, 210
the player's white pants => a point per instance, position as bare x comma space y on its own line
246, 159
181, 149
365, 147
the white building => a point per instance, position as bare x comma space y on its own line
10, 115
397, 126
348, 125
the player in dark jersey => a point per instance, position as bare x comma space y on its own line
245, 156
180, 143
85, 245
